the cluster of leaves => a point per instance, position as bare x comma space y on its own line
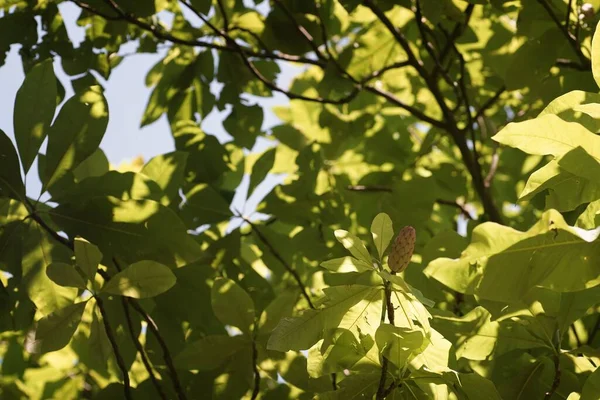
444, 115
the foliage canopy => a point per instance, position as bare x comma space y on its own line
471, 122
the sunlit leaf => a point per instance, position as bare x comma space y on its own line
140, 280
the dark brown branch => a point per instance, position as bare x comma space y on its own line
140, 349
256, 389
412, 110
386, 189
462, 208
278, 256
305, 34
593, 332
493, 168
556, 380
566, 63
161, 341
568, 16
223, 15
160, 34
92, 10
135, 340
490, 103
458, 30
573, 42
115, 347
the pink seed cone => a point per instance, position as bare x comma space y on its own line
402, 249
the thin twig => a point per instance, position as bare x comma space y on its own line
556, 380
278, 256
140, 349
256, 389
161, 341
594, 331
573, 42
161, 34
493, 168
115, 347
568, 16
223, 15
305, 34
490, 102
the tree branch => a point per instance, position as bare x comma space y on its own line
490, 103
160, 34
571, 39
278, 256
161, 341
140, 349
115, 347
223, 15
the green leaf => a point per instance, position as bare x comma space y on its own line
34, 110
11, 184
399, 344
204, 205
244, 124
591, 388
65, 275
54, 331
382, 231
261, 168
282, 306
87, 257
477, 337
354, 245
596, 55
167, 170
76, 133
141, 280
347, 264
134, 230
232, 305
503, 264
210, 353
356, 308
549, 134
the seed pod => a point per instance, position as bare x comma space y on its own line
402, 249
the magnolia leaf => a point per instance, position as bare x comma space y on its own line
232, 305
210, 352
55, 330
347, 264
34, 110
591, 387
261, 168
11, 184
503, 264
596, 55
354, 245
355, 307
76, 133
382, 231
399, 344
167, 170
141, 280
65, 275
549, 135
87, 257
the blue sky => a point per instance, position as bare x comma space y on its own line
127, 96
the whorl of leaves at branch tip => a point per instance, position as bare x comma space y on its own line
402, 249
